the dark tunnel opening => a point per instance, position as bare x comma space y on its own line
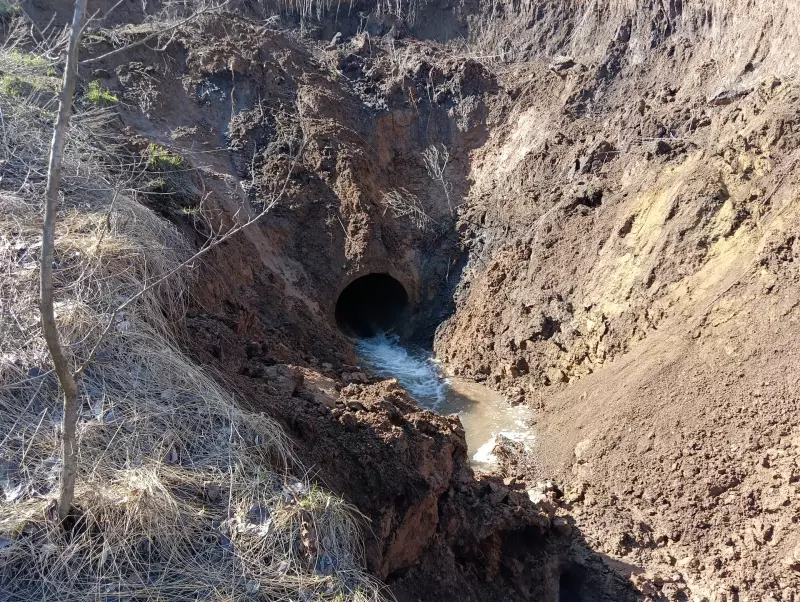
570, 587
371, 304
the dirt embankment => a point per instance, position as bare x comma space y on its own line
632, 228
241, 116
628, 217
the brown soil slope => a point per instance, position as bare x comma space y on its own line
254, 116
625, 178
633, 275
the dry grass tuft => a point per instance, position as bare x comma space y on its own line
730, 33
404, 10
404, 204
181, 494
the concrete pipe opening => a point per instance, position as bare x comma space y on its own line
371, 304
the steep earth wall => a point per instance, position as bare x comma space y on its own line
234, 116
622, 258
632, 276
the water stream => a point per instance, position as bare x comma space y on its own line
483, 412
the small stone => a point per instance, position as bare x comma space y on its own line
576, 493
391, 410
323, 399
349, 421
562, 63
688, 562
510, 371
644, 445
775, 499
536, 496
662, 148
546, 506
715, 489
726, 97
549, 486
284, 379
356, 406
793, 559
582, 450
497, 493
562, 526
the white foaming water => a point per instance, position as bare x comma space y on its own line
416, 371
483, 412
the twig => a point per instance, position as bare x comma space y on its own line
105, 16
155, 34
49, 327
107, 220
5, 136
194, 257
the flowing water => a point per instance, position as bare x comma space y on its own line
483, 412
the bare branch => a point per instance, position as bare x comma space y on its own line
436, 161
406, 204
155, 34
205, 249
51, 335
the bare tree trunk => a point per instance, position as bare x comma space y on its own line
68, 443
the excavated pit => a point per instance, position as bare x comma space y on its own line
370, 305
536, 289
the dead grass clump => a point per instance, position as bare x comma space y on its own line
404, 204
729, 34
180, 494
405, 10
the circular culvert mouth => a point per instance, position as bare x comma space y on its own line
371, 304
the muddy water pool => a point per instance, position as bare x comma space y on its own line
483, 412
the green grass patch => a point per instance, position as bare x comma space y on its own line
27, 60
99, 95
11, 85
24, 86
8, 10
23, 74
160, 159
